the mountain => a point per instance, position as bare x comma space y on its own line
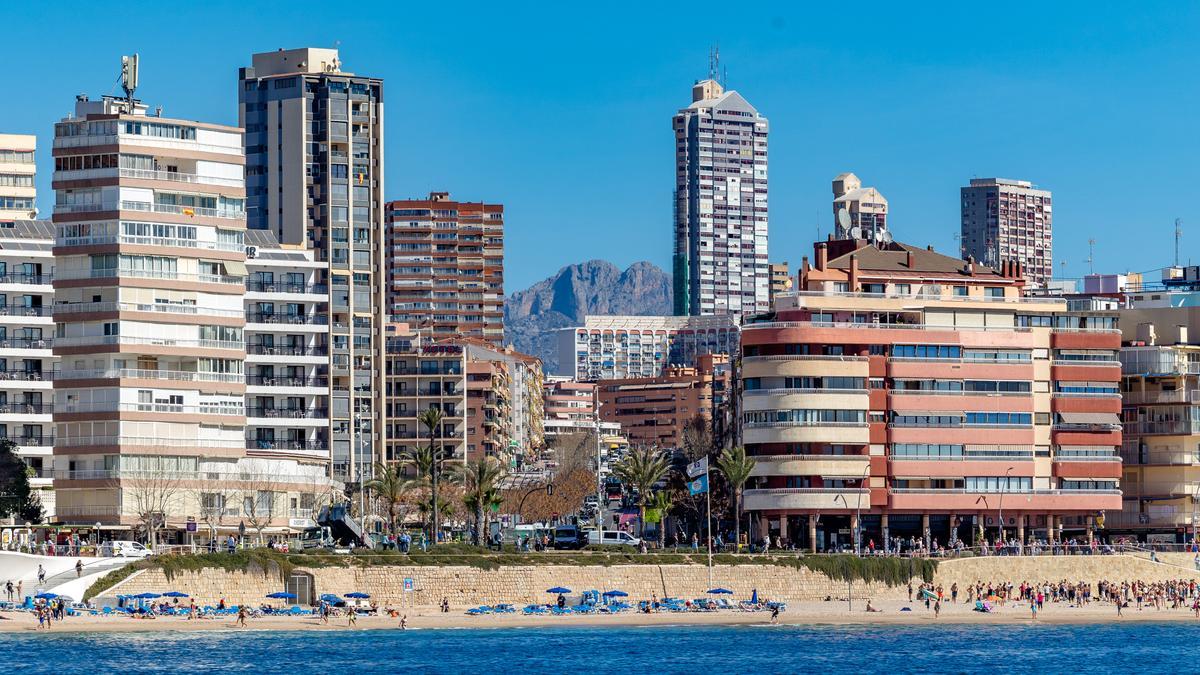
596, 287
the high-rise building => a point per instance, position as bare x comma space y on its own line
314, 177
617, 347
781, 279
18, 167
720, 261
423, 374
866, 210
445, 266
916, 389
27, 364
1009, 221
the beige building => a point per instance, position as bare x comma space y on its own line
781, 280
18, 169
865, 209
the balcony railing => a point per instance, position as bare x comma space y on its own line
286, 350
175, 242
286, 381
156, 441
17, 310
144, 374
175, 176
27, 279
801, 390
170, 275
909, 326
290, 319
1012, 492
27, 375
163, 307
26, 343
26, 408
445, 370
289, 413
88, 511
1152, 397
282, 444
183, 210
777, 425
282, 287
93, 340
105, 407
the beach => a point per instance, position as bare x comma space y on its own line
801, 614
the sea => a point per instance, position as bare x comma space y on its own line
827, 650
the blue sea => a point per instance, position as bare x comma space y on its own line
948, 648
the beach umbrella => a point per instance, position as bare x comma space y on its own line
282, 596
330, 597
175, 594
754, 597
616, 594
558, 589
357, 596
719, 591
148, 596
46, 596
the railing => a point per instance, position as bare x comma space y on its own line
27, 279
281, 287
26, 343
1150, 457
777, 425
90, 340
919, 295
293, 319
912, 326
17, 310
1087, 458
154, 408
170, 275
26, 408
183, 210
207, 476
1184, 427
801, 390
32, 441
263, 444
965, 359
964, 491
163, 307
176, 242
143, 374
27, 375
284, 350
808, 491
451, 370
966, 457
288, 413
285, 381
1064, 426
801, 357
1150, 397
1086, 394
77, 511
175, 176
958, 392
156, 441
1106, 363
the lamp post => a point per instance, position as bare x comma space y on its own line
849, 583
982, 523
1000, 506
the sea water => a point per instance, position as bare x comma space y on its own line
762, 649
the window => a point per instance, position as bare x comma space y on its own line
998, 484
960, 291
994, 291
903, 289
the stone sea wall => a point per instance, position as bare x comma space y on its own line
1075, 568
465, 586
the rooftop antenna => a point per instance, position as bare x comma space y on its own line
1178, 236
129, 79
714, 62
1063, 264
1091, 259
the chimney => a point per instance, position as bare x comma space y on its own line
803, 265
853, 280
910, 260
822, 256
929, 248
971, 265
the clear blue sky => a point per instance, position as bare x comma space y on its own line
564, 114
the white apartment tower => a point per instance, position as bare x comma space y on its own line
720, 262
18, 169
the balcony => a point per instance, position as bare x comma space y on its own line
853, 433
1162, 428
289, 319
283, 287
27, 279
1189, 396
829, 466
286, 381
156, 307
169, 275
97, 340
107, 239
143, 374
822, 499
445, 370
175, 176
150, 441
26, 343
26, 408
175, 209
286, 350
283, 444
27, 375
87, 513
289, 413
935, 499
17, 310
171, 408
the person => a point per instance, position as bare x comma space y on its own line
221, 604
78, 568
910, 592
695, 542
41, 616
562, 601
1119, 604
870, 608
231, 543
8, 589
404, 622
20, 593
241, 615
1033, 609
352, 618
41, 574
954, 592
775, 614
445, 605
937, 608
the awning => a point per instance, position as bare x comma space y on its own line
235, 268
1089, 418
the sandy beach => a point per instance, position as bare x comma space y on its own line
802, 614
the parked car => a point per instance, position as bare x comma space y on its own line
125, 549
612, 538
567, 537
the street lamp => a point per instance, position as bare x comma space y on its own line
1000, 508
849, 582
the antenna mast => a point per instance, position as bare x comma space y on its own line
1091, 259
714, 63
1178, 236
129, 79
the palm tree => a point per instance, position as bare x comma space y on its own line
642, 468
481, 480
737, 467
432, 419
390, 486
661, 502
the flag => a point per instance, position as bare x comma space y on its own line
698, 486
697, 467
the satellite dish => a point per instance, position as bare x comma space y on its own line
843, 218
855, 232
885, 237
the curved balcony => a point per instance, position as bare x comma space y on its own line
829, 466
808, 499
930, 499
156, 307
842, 433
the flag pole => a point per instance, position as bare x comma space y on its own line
708, 504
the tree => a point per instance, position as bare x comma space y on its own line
213, 507
260, 493
432, 419
662, 502
16, 497
481, 481
419, 461
737, 467
642, 468
151, 494
390, 488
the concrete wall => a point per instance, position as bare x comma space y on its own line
1088, 568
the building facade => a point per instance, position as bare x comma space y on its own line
445, 268
571, 408
926, 393
18, 171
720, 261
654, 411
1009, 221
423, 374
619, 347
314, 143
781, 280
866, 210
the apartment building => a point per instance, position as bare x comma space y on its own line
489, 411
571, 408
720, 261
422, 373
18, 171
781, 279
926, 393
150, 325
858, 212
1009, 221
445, 268
314, 176
1160, 388
619, 347
27, 362
654, 411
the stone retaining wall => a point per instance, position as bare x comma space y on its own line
466, 586
1074, 568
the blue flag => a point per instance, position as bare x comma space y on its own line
698, 486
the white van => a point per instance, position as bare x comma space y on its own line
613, 538
124, 549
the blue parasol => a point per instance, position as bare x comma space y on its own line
357, 595
148, 596
175, 594
616, 594
282, 596
45, 596
719, 591
558, 589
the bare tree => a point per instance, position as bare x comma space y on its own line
214, 505
150, 494
260, 497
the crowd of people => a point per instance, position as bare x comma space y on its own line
1137, 594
